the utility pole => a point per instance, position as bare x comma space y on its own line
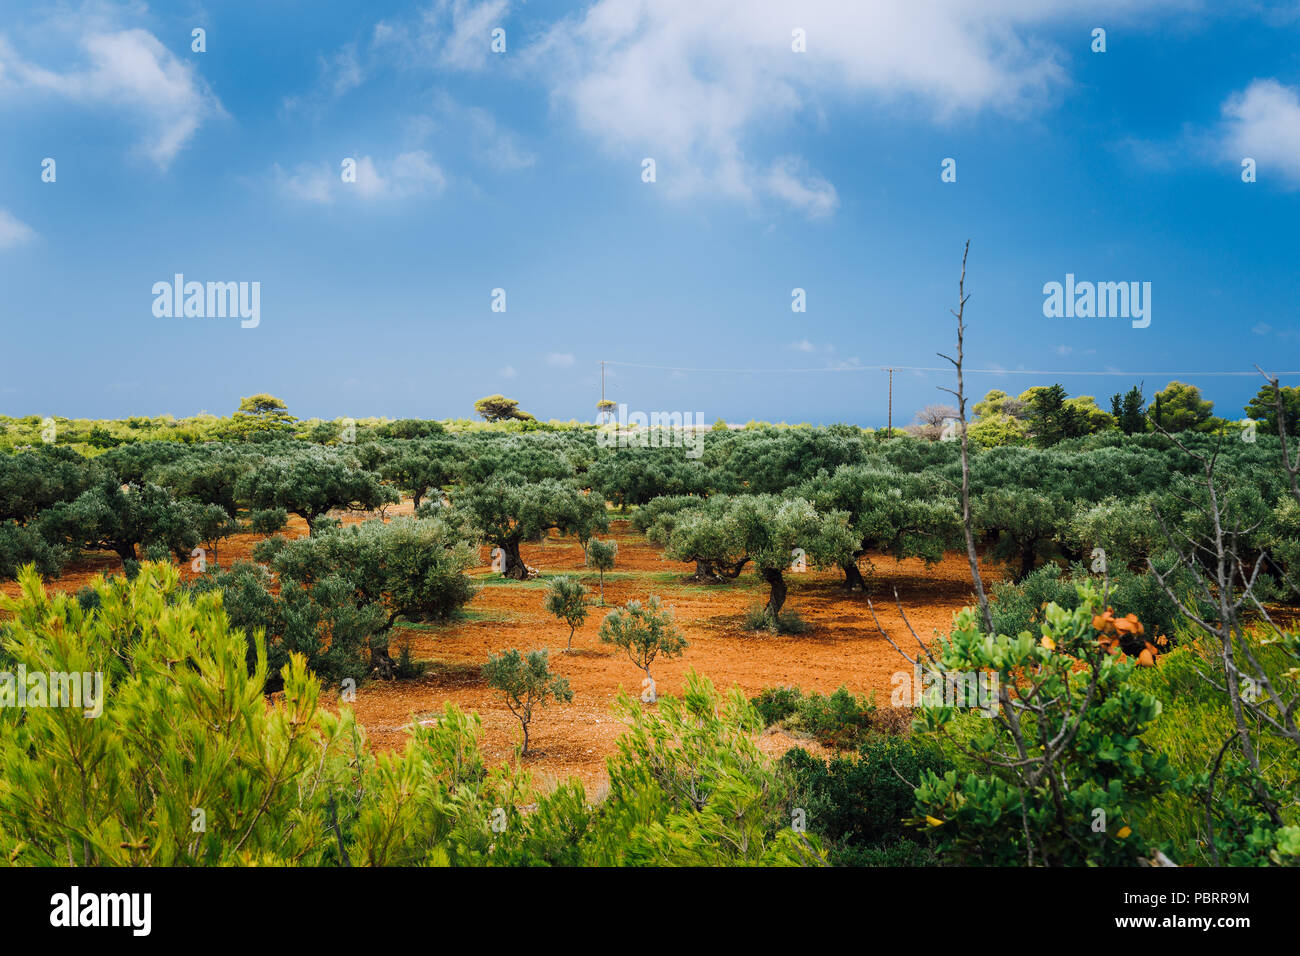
602, 382
889, 430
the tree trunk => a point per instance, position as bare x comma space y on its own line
524, 724
1027, 558
853, 577
704, 571
602, 588
650, 695
415, 500
514, 565
776, 598
380, 662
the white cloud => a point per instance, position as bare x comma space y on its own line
340, 73
13, 232
456, 34
407, 175
127, 70
466, 44
1261, 328
693, 83
1263, 122
307, 183
560, 359
803, 345
507, 372
488, 139
811, 195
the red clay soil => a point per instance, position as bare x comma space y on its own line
842, 646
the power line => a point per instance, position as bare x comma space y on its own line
923, 368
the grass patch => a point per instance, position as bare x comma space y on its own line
787, 622
1193, 724
463, 615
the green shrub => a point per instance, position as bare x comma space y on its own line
23, 544
862, 804
1019, 606
123, 788
840, 720
1069, 762
775, 704
758, 618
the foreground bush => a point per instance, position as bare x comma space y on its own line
1060, 768
188, 764
861, 804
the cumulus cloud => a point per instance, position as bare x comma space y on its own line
13, 232
693, 83
407, 175
1263, 122
560, 359
128, 71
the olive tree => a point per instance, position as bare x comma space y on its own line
526, 683
769, 529
311, 482
120, 519
644, 632
566, 598
24, 544
410, 568
890, 511
506, 513
601, 555
209, 476
420, 468
1023, 523
323, 621
766, 530
32, 481
702, 533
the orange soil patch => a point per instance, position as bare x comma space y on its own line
843, 645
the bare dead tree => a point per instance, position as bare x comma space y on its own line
960, 394
1025, 704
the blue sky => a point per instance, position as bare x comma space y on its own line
522, 170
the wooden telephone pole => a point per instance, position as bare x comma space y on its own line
889, 430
